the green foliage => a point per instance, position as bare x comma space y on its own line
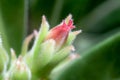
98, 45
13, 22
100, 63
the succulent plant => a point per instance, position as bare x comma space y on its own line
96, 55
50, 48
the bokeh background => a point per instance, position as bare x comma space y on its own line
98, 19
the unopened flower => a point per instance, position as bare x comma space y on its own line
19, 70
60, 32
51, 46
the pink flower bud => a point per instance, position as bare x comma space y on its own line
61, 32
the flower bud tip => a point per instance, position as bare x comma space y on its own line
69, 17
35, 32
78, 32
12, 52
30, 37
43, 19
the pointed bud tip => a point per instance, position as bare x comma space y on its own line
29, 38
43, 19
44, 23
12, 52
35, 32
78, 32
69, 17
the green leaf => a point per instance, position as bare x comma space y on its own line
13, 19
61, 55
102, 18
3, 36
41, 59
100, 63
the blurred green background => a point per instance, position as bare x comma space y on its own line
98, 19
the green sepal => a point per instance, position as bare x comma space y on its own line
57, 58
13, 55
44, 56
61, 55
26, 43
71, 37
28, 59
41, 35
